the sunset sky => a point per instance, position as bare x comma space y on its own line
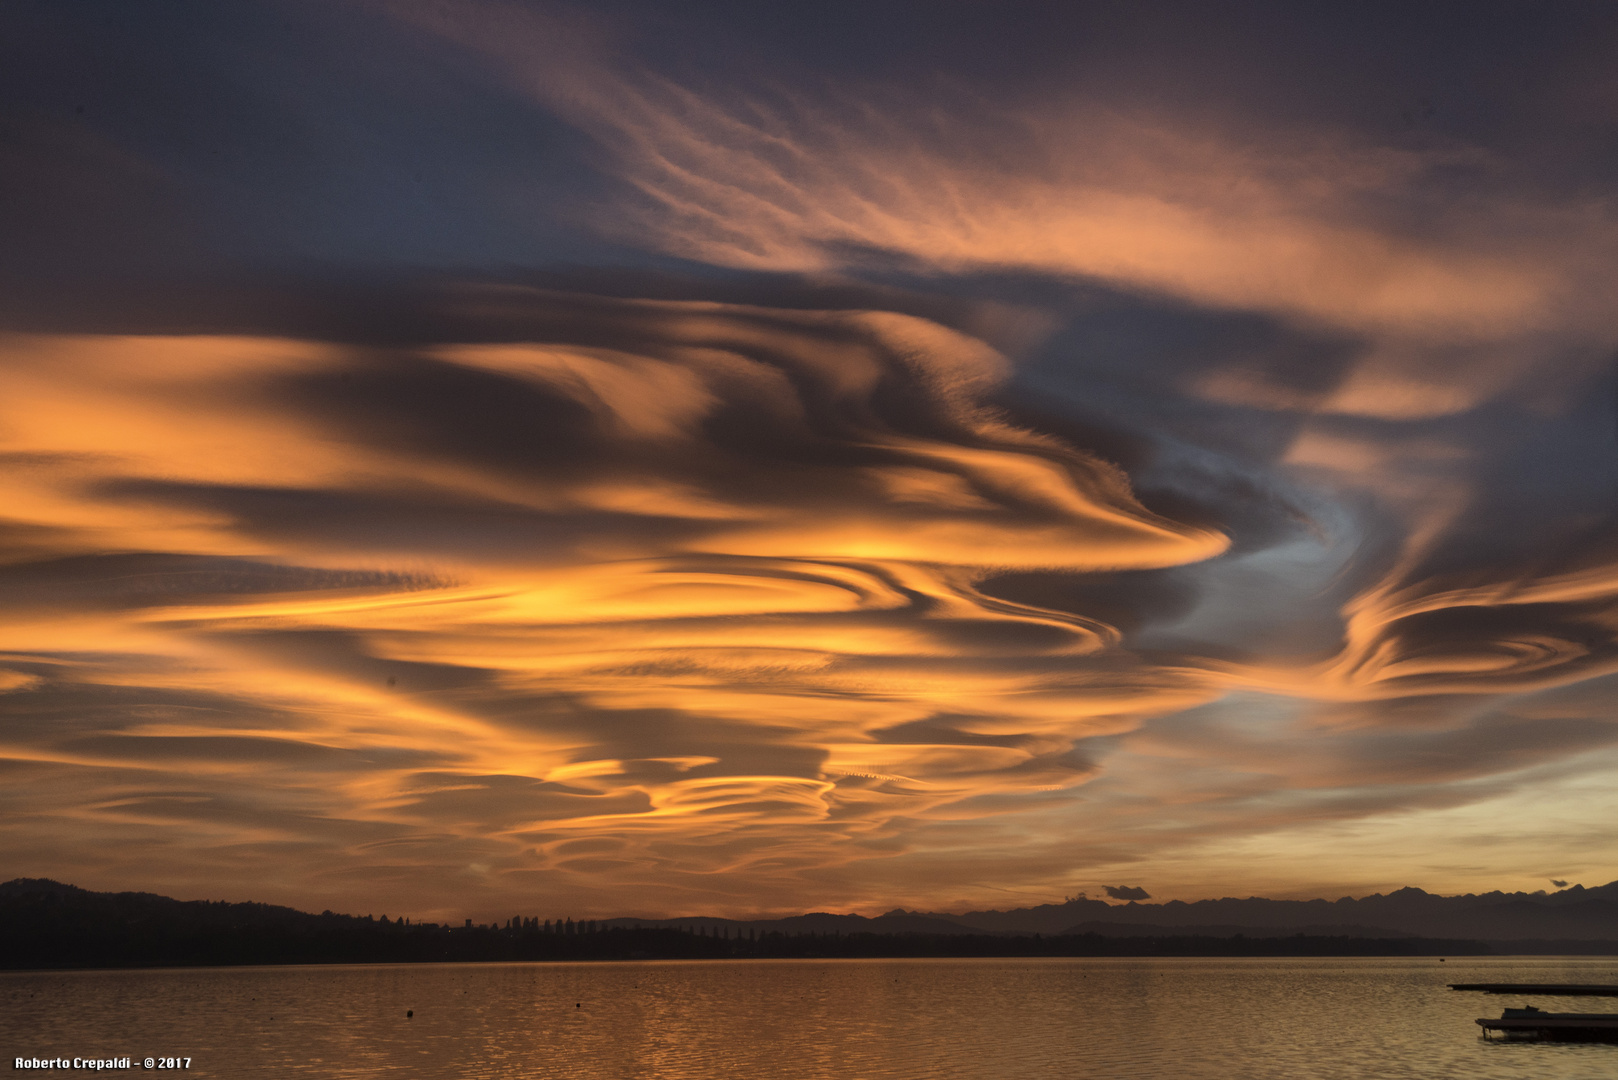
635, 458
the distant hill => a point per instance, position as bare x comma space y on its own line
818, 922
1572, 913
46, 924
1129, 930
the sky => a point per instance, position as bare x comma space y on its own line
477, 458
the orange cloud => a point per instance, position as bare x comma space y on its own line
520, 594
780, 180
732, 607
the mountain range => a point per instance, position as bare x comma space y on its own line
1573, 913
30, 908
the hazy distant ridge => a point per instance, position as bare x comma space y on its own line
1572, 913
1575, 913
46, 924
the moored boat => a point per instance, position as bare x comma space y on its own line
1532, 1023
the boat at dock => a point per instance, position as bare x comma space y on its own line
1532, 1023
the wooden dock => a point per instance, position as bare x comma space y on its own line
1548, 989
1558, 1027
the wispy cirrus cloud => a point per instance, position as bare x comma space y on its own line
1426, 242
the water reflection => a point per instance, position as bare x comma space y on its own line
990, 1019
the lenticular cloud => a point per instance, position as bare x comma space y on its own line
689, 584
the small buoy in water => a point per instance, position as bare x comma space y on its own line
575, 1006
409, 1013
1440, 959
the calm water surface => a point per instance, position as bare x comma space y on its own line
815, 1020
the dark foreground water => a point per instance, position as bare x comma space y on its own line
815, 1020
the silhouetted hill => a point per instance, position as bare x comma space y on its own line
1572, 913
46, 924
1113, 930
817, 922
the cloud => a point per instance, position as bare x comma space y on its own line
1234, 216
692, 575
768, 601
1127, 892
1012, 489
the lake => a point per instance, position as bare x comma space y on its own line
811, 1019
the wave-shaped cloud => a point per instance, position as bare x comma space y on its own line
682, 569
1194, 495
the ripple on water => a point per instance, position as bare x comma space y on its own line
1186, 1019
